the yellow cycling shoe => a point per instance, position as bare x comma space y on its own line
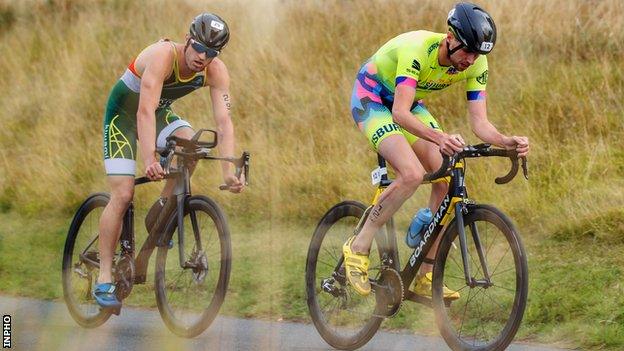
356, 267
422, 287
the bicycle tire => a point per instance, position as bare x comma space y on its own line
97, 316
165, 301
507, 272
332, 337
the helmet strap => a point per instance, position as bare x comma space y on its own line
450, 51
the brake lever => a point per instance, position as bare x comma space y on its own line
242, 165
165, 161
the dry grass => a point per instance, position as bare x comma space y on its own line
556, 75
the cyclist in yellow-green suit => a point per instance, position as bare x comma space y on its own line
387, 106
139, 107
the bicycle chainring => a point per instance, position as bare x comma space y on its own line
389, 293
123, 274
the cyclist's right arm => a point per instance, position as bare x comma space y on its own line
408, 69
156, 63
402, 115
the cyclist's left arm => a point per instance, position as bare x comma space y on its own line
221, 107
477, 109
486, 131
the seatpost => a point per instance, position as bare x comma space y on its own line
382, 164
127, 232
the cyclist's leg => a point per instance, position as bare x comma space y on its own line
385, 136
168, 123
409, 173
429, 154
122, 191
119, 154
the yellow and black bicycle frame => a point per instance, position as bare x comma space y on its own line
452, 205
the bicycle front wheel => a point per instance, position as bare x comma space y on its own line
490, 308
190, 290
344, 319
81, 263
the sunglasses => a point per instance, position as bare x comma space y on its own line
201, 48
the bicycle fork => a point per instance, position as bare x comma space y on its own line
190, 263
460, 209
183, 189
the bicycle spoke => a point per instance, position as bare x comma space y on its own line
91, 243
504, 288
334, 304
175, 282
492, 299
459, 266
501, 259
505, 271
491, 244
332, 254
463, 279
477, 270
461, 328
328, 302
481, 325
327, 264
483, 316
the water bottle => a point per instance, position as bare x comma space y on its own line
418, 226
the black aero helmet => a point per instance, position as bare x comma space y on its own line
473, 27
210, 30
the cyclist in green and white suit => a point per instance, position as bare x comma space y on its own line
386, 105
139, 107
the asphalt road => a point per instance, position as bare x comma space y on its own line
46, 325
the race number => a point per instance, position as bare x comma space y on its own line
377, 173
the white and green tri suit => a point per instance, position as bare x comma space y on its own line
120, 122
410, 59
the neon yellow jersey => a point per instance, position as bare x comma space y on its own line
412, 58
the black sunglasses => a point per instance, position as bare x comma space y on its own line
201, 48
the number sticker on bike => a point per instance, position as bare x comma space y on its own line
377, 173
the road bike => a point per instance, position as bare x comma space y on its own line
480, 256
191, 279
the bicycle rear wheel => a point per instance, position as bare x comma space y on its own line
344, 319
189, 297
487, 315
81, 263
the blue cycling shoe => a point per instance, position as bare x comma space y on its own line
104, 295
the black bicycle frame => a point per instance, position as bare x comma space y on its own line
192, 151
388, 240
